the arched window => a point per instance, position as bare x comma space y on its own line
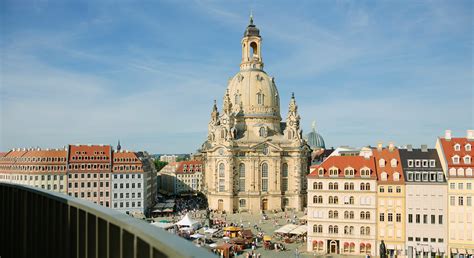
331, 214
384, 176
367, 186
261, 132
331, 229
381, 163
346, 215
221, 170
336, 186
320, 199
336, 200
253, 49
367, 230
367, 215
351, 215
242, 177
346, 186
331, 200
330, 186
362, 231
351, 186
284, 175
315, 199
315, 185
221, 177
351, 200
336, 230
362, 215
264, 177
320, 229
315, 228
336, 214
362, 186
260, 99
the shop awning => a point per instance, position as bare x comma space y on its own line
300, 230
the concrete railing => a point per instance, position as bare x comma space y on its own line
39, 223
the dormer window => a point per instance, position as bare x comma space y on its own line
456, 159
432, 163
417, 176
365, 172
384, 176
410, 163
396, 176
433, 176
469, 172
425, 163
457, 147
333, 172
410, 176
393, 163
467, 159
467, 147
381, 163
460, 171
349, 172
440, 176
321, 171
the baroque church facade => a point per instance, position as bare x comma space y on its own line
252, 160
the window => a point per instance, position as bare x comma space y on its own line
399, 217
417, 163
390, 217
460, 186
418, 218
467, 147
242, 177
264, 177
452, 186
417, 176
399, 189
390, 189
382, 217
261, 132
410, 218
221, 170
381, 189
467, 160
460, 201
242, 203
432, 163
333, 172
456, 159
349, 172
433, 219
425, 219
468, 186
410, 163
457, 147
284, 174
469, 201
410, 176
452, 200
381, 163
440, 219
260, 98
410, 238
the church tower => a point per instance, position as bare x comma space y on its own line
252, 160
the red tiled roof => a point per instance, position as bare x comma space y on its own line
88, 153
449, 152
196, 167
342, 162
387, 156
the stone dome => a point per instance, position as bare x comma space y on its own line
253, 92
315, 140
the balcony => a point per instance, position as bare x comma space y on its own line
39, 223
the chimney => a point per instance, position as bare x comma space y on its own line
391, 147
447, 135
424, 148
379, 146
410, 147
470, 135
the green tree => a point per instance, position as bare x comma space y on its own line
159, 164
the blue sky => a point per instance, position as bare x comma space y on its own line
147, 72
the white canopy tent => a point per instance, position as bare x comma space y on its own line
286, 229
300, 230
186, 221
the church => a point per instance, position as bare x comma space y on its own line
252, 160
